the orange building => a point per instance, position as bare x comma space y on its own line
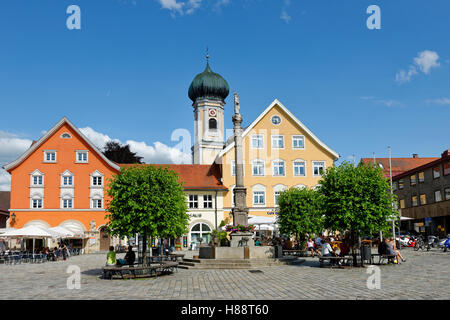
60, 181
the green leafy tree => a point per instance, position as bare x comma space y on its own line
147, 200
357, 200
300, 213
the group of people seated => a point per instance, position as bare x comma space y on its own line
111, 259
321, 246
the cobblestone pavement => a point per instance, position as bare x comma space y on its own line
425, 275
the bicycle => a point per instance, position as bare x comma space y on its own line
420, 244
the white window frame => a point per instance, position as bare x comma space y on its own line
46, 152
193, 201
79, 152
36, 174
208, 201
258, 162
67, 174
277, 189
314, 164
97, 174
259, 189
294, 166
37, 207
94, 203
273, 136
36, 197
294, 137
273, 168
257, 136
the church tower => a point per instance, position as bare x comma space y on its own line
208, 92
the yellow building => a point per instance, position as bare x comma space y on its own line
280, 152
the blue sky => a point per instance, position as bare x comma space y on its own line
126, 73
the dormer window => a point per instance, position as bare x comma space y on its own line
82, 156
67, 179
37, 178
49, 155
97, 179
37, 181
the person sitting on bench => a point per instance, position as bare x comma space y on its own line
310, 247
111, 257
327, 251
130, 257
394, 252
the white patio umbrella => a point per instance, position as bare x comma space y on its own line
61, 232
31, 232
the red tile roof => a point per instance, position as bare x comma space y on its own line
399, 165
195, 176
445, 157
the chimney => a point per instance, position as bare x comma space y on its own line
415, 155
445, 154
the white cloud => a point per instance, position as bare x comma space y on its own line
5, 180
221, 3
159, 153
97, 138
284, 15
441, 101
180, 7
424, 62
11, 147
402, 76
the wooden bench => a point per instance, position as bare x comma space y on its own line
154, 268
345, 260
293, 252
382, 258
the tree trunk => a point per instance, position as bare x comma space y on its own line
144, 250
353, 241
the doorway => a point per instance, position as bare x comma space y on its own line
104, 239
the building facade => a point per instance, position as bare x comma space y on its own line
60, 180
280, 152
424, 195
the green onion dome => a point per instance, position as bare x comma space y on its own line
208, 85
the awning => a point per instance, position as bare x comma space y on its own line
61, 232
27, 232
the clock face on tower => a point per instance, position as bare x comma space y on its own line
212, 112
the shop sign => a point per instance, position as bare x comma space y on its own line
195, 215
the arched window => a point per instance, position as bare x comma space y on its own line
212, 124
277, 191
201, 231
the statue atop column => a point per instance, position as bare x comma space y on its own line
240, 210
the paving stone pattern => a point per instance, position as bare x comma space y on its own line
425, 275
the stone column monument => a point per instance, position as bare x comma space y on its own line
240, 210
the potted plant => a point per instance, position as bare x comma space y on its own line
178, 246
